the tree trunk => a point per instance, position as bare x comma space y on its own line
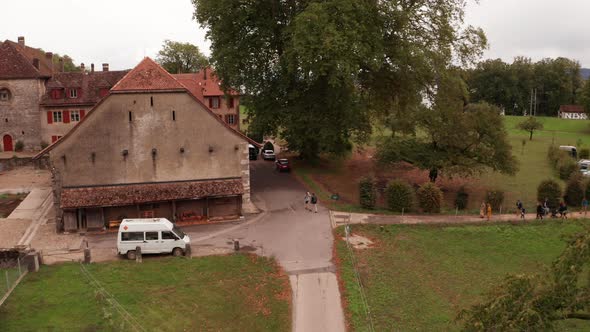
531, 137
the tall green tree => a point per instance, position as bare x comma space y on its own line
177, 57
317, 72
585, 96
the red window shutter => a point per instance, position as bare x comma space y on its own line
82, 113
78, 93
49, 117
210, 102
66, 116
53, 139
231, 102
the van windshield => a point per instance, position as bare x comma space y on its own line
178, 232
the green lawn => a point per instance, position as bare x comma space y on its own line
534, 166
418, 278
217, 293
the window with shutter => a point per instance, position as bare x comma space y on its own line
82, 114
49, 117
66, 116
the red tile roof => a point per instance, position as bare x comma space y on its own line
571, 109
147, 76
200, 86
45, 64
14, 64
130, 194
89, 83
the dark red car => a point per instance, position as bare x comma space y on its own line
283, 165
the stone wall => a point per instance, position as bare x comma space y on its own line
19, 116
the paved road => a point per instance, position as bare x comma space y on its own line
300, 240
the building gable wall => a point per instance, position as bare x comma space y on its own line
93, 154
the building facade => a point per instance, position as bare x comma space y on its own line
150, 148
206, 87
572, 112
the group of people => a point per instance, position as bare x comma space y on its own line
313, 200
543, 210
485, 210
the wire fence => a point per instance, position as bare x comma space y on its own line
11, 274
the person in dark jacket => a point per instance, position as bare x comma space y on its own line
540, 211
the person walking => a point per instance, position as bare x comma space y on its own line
584, 206
522, 212
518, 207
540, 211
482, 210
314, 202
307, 199
563, 210
489, 215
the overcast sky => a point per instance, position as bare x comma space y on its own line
122, 32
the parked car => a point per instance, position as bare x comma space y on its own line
268, 155
571, 150
153, 236
584, 164
283, 165
252, 152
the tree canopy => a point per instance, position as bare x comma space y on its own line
319, 72
177, 57
535, 302
530, 124
510, 86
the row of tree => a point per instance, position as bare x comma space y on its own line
525, 86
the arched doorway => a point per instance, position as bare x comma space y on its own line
7, 143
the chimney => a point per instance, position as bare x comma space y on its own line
105, 67
92, 67
61, 65
36, 63
205, 73
21, 41
49, 57
82, 67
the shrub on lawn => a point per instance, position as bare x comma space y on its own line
399, 196
268, 146
19, 146
462, 199
567, 167
584, 153
574, 191
554, 155
495, 198
550, 190
367, 193
430, 197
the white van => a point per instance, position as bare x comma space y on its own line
153, 236
571, 150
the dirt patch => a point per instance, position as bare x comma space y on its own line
11, 230
359, 242
24, 178
9, 202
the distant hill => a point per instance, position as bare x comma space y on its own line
585, 73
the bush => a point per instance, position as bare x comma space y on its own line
399, 196
268, 146
566, 167
19, 146
367, 193
44, 145
430, 197
462, 199
574, 190
550, 190
554, 155
495, 198
584, 153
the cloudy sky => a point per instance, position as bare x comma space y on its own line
122, 32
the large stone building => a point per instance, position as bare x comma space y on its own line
150, 148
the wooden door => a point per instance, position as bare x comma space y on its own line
7, 142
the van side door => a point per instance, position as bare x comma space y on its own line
170, 241
131, 240
152, 243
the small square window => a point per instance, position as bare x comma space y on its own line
73, 93
230, 119
74, 116
4, 95
57, 116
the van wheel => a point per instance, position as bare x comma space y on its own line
177, 252
131, 254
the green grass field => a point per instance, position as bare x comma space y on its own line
216, 293
418, 278
534, 166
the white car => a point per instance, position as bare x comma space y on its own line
153, 236
268, 155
